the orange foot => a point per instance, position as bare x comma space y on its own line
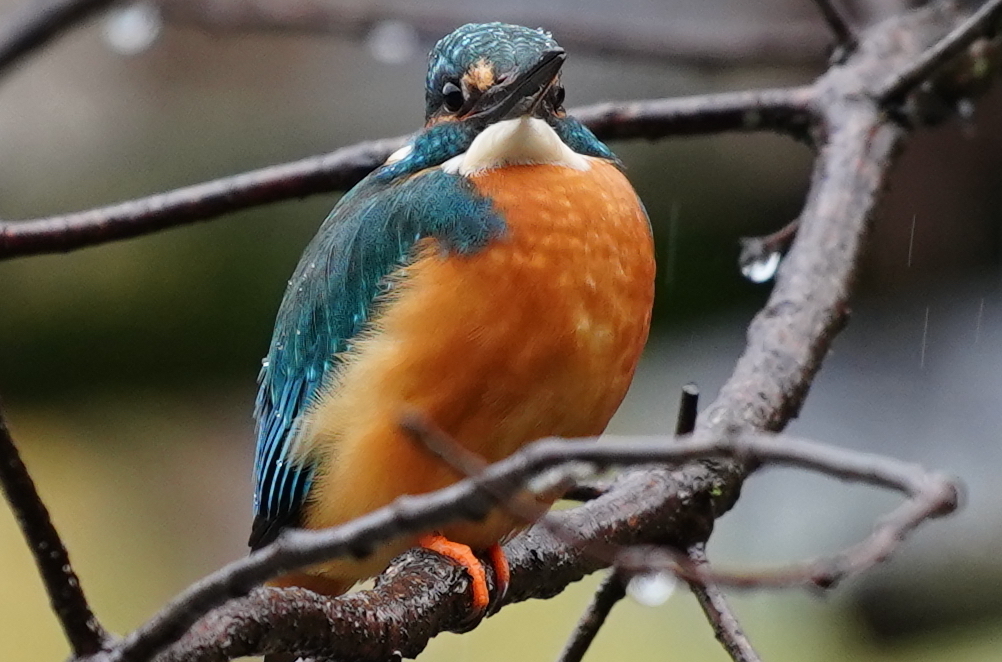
501, 571
463, 555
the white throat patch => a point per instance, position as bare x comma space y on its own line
522, 141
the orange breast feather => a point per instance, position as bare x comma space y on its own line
536, 335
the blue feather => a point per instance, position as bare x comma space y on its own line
370, 234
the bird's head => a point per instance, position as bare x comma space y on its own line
488, 72
484, 75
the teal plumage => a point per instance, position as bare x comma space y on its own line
369, 235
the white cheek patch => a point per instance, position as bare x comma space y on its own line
523, 141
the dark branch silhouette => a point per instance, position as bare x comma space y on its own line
776, 110
844, 34
38, 23
85, 634
791, 43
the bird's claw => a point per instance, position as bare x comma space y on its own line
481, 603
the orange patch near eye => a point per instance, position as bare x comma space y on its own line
480, 75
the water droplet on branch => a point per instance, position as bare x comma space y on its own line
652, 589
761, 269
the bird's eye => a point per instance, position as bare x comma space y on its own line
453, 97
558, 96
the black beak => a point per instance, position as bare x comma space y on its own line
518, 96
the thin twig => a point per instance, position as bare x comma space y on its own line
335, 171
85, 634
613, 589
837, 23
757, 250
981, 22
472, 497
718, 612
929, 495
762, 110
610, 592
38, 23
688, 410
788, 110
722, 619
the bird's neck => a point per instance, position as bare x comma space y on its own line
522, 141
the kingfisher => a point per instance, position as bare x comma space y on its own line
494, 275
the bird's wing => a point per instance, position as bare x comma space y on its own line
370, 234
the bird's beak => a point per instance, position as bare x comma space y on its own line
521, 94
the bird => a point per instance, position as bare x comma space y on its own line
495, 275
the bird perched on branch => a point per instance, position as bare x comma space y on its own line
495, 275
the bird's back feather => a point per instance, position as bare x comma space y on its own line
328, 302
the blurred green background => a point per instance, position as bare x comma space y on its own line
128, 370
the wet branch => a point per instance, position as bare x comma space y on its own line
85, 634
542, 561
786, 110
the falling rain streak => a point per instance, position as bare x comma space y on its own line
925, 338
911, 241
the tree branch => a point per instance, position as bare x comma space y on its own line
677, 43
984, 21
609, 593
725, 624
776, 110
758, 250
542, 563
845, 36
419, 595
613, 589
37, 24
85, 634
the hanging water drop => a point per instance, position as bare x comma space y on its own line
761, 269
392, 42
132, 29
652, 589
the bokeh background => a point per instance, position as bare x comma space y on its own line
128, 370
